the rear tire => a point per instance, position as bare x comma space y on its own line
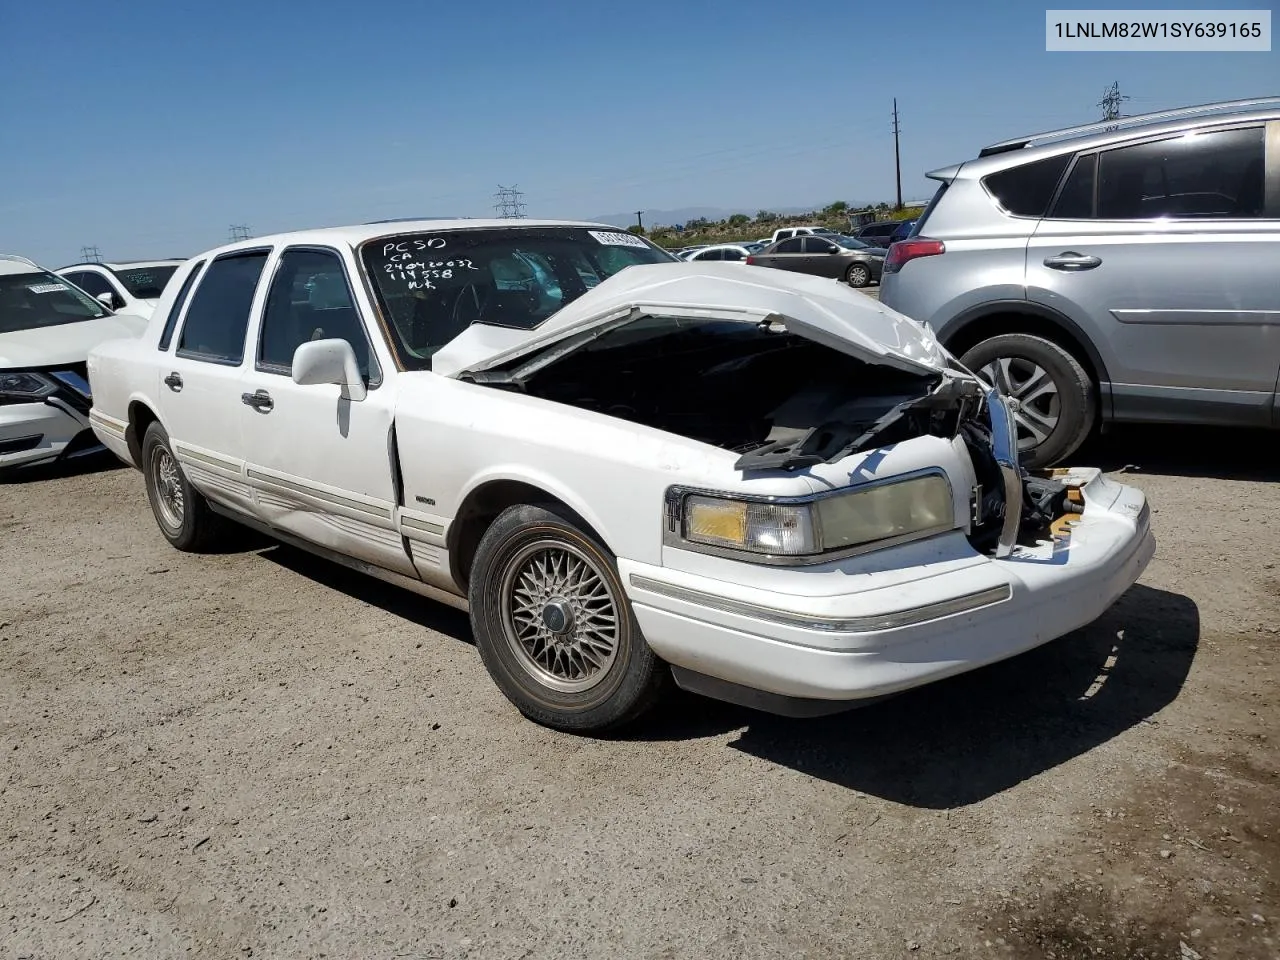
181, 513
858, 275
554, 626
1056, 402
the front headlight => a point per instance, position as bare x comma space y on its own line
22, 387
881, 513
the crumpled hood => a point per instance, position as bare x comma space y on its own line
822, 310
65, 342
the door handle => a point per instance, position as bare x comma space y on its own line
1070, 260
260, 400
173, 382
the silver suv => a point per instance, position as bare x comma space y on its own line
1120, 271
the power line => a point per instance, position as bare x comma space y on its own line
1110, 102
90, 254
239, 232
508, 203
897, 159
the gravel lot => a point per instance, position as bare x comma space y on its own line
260, 754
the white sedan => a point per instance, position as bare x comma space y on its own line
46, 329
762, 484
728, 252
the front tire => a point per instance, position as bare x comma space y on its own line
553, 624
858, 275
181, 513
1055, 401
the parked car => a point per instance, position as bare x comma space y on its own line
1119, 271
884, 232
762, 484
787, 232
683, 252
737, 252
825, 255
133, 287
47, 326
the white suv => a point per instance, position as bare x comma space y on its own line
133, 286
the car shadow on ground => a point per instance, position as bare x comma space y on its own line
100, 462
1179, 451
959, 741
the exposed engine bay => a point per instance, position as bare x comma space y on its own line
779, 400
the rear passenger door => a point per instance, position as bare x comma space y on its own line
1165, 251
200, 380
321, 466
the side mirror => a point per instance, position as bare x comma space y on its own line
329, 361
833, 249
107, 299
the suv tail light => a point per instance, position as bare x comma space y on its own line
905, 250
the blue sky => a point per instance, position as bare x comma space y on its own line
148, 128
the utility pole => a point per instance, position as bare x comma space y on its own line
90, 254
897, 158
1110, 102
508, 202
639, 222
239, 232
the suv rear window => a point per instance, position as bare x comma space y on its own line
1025, 191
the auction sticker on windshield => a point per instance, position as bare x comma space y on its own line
46, 287
617, 239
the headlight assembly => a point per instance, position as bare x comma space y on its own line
21, 387
798, 530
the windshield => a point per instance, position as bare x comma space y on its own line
146, 283
850, 243
432, 286
40, 299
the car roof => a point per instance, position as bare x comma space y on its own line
12, 263
355, 234
122, 264
1020, 150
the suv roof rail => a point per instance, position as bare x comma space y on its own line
17, 259
1227, 106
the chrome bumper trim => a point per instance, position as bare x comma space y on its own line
870, 623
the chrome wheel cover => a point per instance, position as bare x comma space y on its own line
168, 484
559, 615
1032, 395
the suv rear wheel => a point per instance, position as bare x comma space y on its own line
1054, 401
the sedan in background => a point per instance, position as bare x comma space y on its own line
47, 327
735, 252
134, 286
838, 257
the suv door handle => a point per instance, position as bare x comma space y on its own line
1070, 260
173, 382
260, 400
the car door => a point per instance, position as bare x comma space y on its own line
1163, 251
321, 466
200, 394
821, 257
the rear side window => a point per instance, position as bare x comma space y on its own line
1217, 174
707, 255
176, 310
1076, 200
789, 246
731, 255
218, 317
1025, 191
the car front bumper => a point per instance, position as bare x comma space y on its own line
43, 431
863, 628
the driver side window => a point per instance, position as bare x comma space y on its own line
310, 299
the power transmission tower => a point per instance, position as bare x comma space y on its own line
639, 221
897, 159
1110, 102
239, 232
508, 202
90, 254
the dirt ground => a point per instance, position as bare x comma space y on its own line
260, 754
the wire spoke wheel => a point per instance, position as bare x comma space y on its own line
168, 486
559, 615
1036, 405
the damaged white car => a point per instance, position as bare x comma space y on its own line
762, 484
